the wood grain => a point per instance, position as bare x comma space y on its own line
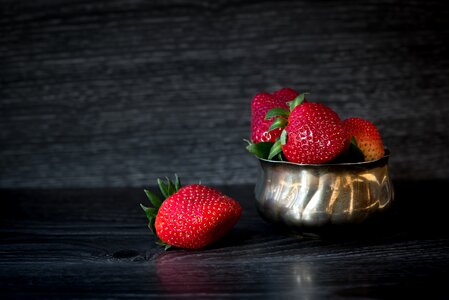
118, 93
94, 244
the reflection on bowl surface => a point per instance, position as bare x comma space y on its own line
301, 196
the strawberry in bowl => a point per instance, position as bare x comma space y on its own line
260, 105
320, 170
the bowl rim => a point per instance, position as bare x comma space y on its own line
362, 163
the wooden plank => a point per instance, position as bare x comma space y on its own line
120, 93
93, 243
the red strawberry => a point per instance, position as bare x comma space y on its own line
315, 134
260, 105
285, 94
191, 217
366, 136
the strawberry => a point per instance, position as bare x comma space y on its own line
313, 133
260, 105
190, 217
367, 137
284, 95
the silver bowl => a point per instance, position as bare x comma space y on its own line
306, 196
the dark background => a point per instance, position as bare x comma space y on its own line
118, 93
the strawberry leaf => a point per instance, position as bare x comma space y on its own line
283, 137
277, 112
297, 101
153, 199
275, 149
177, 182
355, 151
261, 150
151, 213
278, 123
171, 189
164, 244
167, 189
163, 187
152, 226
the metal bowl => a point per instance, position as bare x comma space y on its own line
306, 196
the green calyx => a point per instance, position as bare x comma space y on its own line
281, 121
275, 150
264, 150
297, 101
167, 188
277, 112
260, 150
281, 114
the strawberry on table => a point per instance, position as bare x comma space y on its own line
191, 217
260, 105
367, 137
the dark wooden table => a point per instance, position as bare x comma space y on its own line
94, 243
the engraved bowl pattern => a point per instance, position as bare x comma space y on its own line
301, 195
